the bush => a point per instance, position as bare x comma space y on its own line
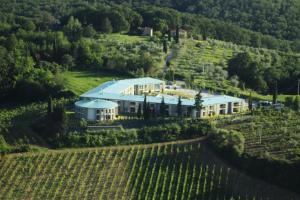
232, 142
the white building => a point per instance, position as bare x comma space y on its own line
124, 97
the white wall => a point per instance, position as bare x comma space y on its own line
91, 116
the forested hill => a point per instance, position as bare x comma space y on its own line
16, 15
279, 18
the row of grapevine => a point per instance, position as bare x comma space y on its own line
176, 171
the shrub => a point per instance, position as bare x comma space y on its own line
232, 142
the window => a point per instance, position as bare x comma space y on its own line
132, 110
223, 106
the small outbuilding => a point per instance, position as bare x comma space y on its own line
96, 110
147, 31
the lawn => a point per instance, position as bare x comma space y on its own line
82, 81
124, 38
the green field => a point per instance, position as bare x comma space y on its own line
181, 170
82, 81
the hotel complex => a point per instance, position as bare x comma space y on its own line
124, 97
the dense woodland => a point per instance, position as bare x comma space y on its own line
278, 18
38, 39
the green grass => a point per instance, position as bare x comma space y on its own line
178, 170
82, 81
124, 38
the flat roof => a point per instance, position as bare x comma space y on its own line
171, 100
117, 86
96, 104
111, 91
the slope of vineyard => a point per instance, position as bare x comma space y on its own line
270, 134
181, 170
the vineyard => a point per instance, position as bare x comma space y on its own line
271, 134
181, 170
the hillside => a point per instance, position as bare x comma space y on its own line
181, 170
204, 63
278, 18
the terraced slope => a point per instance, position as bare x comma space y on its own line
182, 170
272, 134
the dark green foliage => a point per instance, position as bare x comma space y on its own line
250, 102
275, 94
169, 35
50, 106
163, 108
106, 26
231, 141
3, 143
179, 107
162, 132
165, 46
198, 101
145, 109
279, 75
289, 102
73, 29
139, 112
177, 35
297, 103
57, 122
98, 139
277, 18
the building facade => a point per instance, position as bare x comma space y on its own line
126, 97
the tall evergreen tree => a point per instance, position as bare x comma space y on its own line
179, 107
165, 46
139, 112
275, 94
106, 26
146, 109
297, 103
250, 102
50, 106
162, 108
198, 102
177, 35
169, 35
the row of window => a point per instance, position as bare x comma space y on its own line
105, 111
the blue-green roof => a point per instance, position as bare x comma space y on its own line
116, 87
111, 91
170, 100
96, 104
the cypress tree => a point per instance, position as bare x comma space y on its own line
139, 112
145, 108
162, 108
50, 106
275, 94
297, 103
106, 26
169, 36
179, 107
177, 35
198, 101
250, 102
165, 46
